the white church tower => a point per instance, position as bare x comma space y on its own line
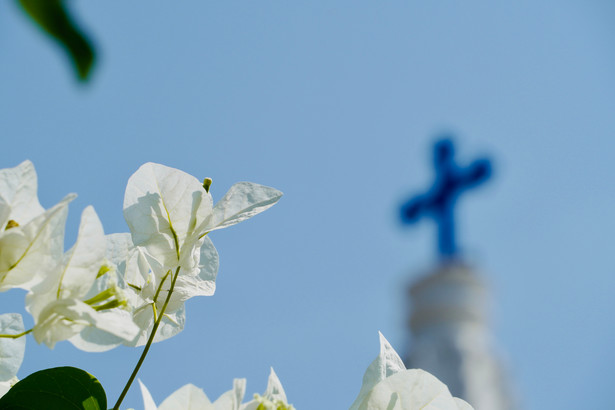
451, 337
449, 320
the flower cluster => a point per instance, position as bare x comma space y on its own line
191, 397
113, 289
168, 257
130, 288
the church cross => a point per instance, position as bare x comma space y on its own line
439, 202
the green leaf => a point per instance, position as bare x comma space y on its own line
60, 388
54, 19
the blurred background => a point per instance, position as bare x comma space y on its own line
338, 104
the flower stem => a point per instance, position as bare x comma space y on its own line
17, 335
149, 341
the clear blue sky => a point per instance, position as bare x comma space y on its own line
337, 103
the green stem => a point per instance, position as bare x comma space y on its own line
149, 341
164, 278
154, 311
157, 294
17, 335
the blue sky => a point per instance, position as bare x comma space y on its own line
337, 104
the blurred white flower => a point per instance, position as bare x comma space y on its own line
274, 397
59, 305
388, 385
18, 198
11, 350
190, 397
31, 238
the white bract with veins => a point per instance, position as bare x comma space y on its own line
169, 212
59, 304
139, 286
30, 237
387, 384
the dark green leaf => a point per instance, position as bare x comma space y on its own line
53, 17
60, 388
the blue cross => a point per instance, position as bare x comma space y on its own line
439, 202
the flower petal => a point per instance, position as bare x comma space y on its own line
242, 201
274, 390
52, 327
388, 385
386, 364
84, 259
231, 400
127, 260
6, 386
74, 277
94, 339
28, 252
203, 284
162, 207
148, 401
274, 396
18, 188
410, 389
170, 325
188, 397
11, 350
462, 405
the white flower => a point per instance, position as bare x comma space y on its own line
147, 295
59, 305
18, 198
169, 213
190, 397
116, 260
30, 237
11, 350
140, 286
388, 385
274, 397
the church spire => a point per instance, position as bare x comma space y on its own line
449, 306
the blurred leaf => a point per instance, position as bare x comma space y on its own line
59, 388
53, 18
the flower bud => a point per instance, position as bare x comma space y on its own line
207, 183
